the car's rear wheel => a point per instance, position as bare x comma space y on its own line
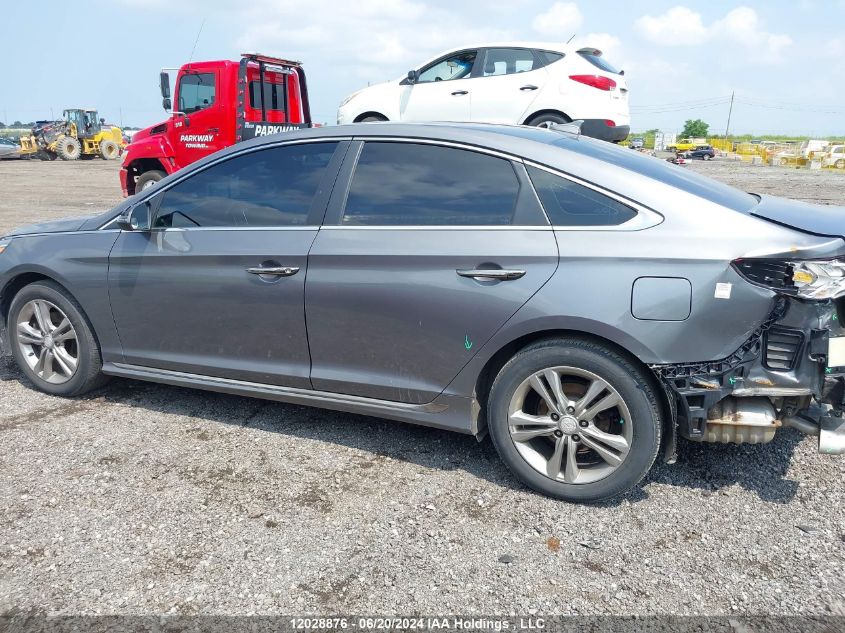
707, 157
575, 420
372, 118
548, 119
840, 164
52, 341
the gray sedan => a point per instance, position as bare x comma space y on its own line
582, 304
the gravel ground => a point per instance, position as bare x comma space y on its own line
143, 498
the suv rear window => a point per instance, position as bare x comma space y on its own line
595, 58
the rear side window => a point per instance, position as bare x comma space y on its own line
569, 204
547, 57
271, 187
402, 184
508, 61
595, 58
274, 96
196, 91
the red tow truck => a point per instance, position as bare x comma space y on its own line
218, 103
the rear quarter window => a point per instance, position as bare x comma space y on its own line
569, 204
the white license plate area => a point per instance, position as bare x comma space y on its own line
836, 351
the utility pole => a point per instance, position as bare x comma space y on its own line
730, 111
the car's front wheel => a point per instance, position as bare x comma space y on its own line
52, 341
575, 420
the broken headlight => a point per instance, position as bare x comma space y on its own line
808, 279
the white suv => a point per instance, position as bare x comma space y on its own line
514, 83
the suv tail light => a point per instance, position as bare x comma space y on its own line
596, 81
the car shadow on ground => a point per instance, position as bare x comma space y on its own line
762, 470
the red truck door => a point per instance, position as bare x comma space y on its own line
200, 107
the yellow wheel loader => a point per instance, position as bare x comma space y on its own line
81, 133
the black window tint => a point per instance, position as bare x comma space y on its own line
274, 96
570, 204
508, 61
414, 184
196, 91
548, 57
271, 187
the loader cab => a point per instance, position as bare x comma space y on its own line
87, 122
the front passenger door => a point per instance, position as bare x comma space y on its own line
442, 92
216, 288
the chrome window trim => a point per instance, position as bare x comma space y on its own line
246, 150
433, 141
435, 227
645, 218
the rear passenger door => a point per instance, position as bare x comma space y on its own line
427, 250
509, 82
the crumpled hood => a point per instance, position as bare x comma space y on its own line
818, 219
54, 226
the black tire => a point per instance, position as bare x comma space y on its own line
148, 179
109, 150
88, 374
372, 118
628, 380
549, 118
840, 164
68, 148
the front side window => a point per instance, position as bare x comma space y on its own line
457, 66
196, 92
274, 96
508, 61
569, 204
265, 188
398, 184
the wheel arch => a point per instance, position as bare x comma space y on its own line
8, 293
506, 351
364, 115
537, 113
139, 166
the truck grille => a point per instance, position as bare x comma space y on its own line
782, 348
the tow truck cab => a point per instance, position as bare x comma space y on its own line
216, 104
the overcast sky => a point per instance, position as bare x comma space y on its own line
785, 59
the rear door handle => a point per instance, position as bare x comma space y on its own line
528, 87
496, 274
458, 93
274, 271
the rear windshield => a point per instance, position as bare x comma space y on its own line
662, 171
595, 58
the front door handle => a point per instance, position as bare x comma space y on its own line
458, 93
274, 271
496, 274
528, 87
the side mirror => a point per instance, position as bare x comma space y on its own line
135, 218
164, 84
413, 76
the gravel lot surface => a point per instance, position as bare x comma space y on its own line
143, 499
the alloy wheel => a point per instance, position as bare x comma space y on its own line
47, 341
570, 425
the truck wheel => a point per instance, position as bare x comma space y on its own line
575, 420
148, 179
548, 119
109, 150
52, 341
840, 164
68, 148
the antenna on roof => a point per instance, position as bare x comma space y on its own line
571, 38
193, 50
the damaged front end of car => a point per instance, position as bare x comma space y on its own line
790, 371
